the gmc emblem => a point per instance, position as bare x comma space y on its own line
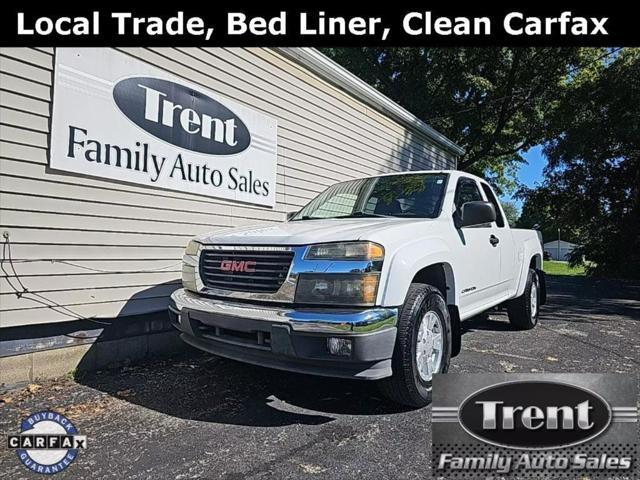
247, 266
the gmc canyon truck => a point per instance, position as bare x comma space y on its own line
370, 280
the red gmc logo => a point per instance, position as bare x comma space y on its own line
248, 266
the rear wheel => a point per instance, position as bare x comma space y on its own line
423, 346
523, 311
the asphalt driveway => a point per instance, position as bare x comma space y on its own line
199, 416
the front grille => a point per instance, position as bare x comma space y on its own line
267, 274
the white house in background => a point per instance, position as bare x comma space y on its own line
559, 250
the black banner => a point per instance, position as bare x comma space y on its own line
423, 24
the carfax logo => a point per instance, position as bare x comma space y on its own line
48, 442
571, 426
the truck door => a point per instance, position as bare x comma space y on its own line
479, 263
501, 230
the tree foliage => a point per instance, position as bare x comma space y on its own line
511, 212
494, 102
592, 181
582, 104
544, 210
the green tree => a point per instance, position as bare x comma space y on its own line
593, 177
543, 210
494, 102
511, 212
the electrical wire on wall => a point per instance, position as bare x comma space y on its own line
21, 290
98, 270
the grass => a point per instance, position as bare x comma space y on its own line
552, 267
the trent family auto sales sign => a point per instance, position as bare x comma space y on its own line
519, 426
119, 118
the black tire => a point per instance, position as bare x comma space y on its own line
406, 386
519, 309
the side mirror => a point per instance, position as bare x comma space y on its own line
476, 213
290, 215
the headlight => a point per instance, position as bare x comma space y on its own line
345, 251
356, 289
189, 266
192, 248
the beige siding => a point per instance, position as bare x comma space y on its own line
85, 247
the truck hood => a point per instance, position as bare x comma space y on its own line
309, 231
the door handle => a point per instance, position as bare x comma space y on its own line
493, 240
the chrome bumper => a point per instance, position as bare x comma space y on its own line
299, 320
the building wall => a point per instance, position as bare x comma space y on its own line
86, 247
559, 252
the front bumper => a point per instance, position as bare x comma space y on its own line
287, 338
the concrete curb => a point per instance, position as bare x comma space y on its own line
45, 364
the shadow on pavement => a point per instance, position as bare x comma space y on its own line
486, 323
589, 300
205, 388
201, 387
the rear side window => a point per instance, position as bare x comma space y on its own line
466, 191
492, 198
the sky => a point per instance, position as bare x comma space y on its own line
530, 173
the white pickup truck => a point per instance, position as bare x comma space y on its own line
370, 280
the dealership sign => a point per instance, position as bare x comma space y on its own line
544, 425
119, 118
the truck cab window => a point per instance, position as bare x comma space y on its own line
466, 191
492, 198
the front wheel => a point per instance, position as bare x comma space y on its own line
423, 346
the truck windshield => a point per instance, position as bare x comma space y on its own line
409, 195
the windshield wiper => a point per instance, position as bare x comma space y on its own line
351, 215
363, 214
